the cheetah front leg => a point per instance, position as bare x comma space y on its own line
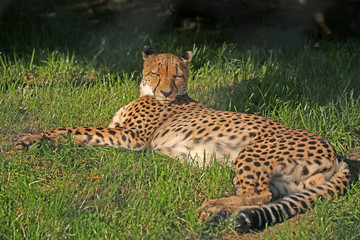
88, 136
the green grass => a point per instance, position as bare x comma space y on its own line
50, 78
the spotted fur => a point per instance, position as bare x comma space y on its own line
279, 171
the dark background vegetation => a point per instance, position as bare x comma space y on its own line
71, 24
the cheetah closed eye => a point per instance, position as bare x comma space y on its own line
279, 171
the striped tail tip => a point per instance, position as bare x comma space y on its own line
285, 208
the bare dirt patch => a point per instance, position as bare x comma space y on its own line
354, 154
354, 162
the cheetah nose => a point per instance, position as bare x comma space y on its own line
166, 94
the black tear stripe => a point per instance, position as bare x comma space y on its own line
156, 86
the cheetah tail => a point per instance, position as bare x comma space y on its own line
289, 206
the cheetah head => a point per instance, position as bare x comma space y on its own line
164, 75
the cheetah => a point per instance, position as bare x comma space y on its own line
279, 171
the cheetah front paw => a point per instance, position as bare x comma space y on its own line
25, 140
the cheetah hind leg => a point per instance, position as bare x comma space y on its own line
246, 198
250, 192
231, 206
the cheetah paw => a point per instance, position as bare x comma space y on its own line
221, 208
25, 140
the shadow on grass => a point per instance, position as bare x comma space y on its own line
97, 30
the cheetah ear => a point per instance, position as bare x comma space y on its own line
147, 52
188, 56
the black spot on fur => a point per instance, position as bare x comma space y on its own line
164, 133
132, 134
99, 135
201, 130
305, 170
188, 134
112, 132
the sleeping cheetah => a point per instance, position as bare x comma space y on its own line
279, 171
